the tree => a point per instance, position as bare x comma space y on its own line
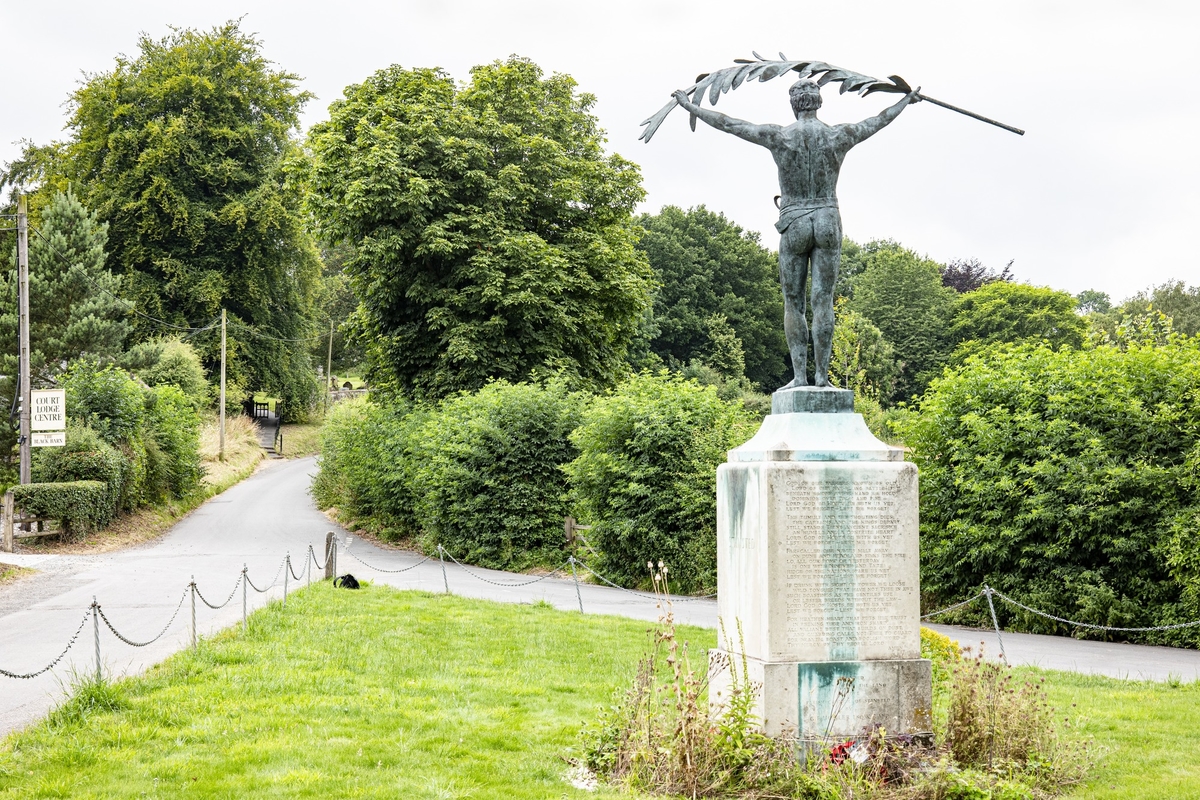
968, 275
492, 236
1176, 299
74, 310
1093, 301
902, 295
706, 267
862, 359
1015, 312
336, 302
186, 151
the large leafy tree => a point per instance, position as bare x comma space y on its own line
902, 295
492, 236
707, 267
186, 151
1000, 311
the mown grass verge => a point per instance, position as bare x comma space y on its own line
301, 439
381, 694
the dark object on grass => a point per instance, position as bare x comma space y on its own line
346, 581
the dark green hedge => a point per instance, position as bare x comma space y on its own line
79, 506
1068, 480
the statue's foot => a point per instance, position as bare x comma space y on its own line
795, 384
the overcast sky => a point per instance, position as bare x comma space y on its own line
1102, 192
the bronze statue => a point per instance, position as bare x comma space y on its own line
809, 156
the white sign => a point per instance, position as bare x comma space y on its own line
49, 412
56, 439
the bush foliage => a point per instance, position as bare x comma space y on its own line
1067, 480
80, 506
480, 473
142, 443
491, 482
646, 477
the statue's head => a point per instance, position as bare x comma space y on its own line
805, 96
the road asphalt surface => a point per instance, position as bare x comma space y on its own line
271, 514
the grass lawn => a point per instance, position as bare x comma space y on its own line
389, 694
1149, 732
301, 440
375, 693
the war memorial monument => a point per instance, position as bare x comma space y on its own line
818, 577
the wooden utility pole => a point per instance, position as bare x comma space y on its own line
329, 362
23, 330
221, 454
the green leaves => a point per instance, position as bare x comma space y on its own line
185, 151
492, 236
646, 475
707, 267
1064, 478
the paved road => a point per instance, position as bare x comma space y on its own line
259, 520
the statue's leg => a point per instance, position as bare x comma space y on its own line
826, 259
794, 248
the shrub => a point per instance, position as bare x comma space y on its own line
79, 506
366, 465
174, 439
176, 363
1065, 479
86, 457
646, 476
490, 477
105, 399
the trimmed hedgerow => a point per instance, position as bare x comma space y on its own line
646, 477
490, 477
85, 457
79, 506
366, 466
1068, 480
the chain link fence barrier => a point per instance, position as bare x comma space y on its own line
96, 613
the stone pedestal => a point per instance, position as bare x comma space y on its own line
818, 577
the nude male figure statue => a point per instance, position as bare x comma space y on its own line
809, 156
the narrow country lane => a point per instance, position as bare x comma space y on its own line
270, 514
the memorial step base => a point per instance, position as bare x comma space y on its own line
828, 701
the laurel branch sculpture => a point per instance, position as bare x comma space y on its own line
746, 69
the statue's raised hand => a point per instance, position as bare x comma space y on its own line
682, 98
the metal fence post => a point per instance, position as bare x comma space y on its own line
442, 558
575, 575
96, 631
192, 587
287, 567
308, 562
244, 582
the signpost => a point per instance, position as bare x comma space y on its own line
49, 413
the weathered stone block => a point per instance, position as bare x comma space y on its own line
818, 579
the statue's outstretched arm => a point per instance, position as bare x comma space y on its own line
857, 131
758, 134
